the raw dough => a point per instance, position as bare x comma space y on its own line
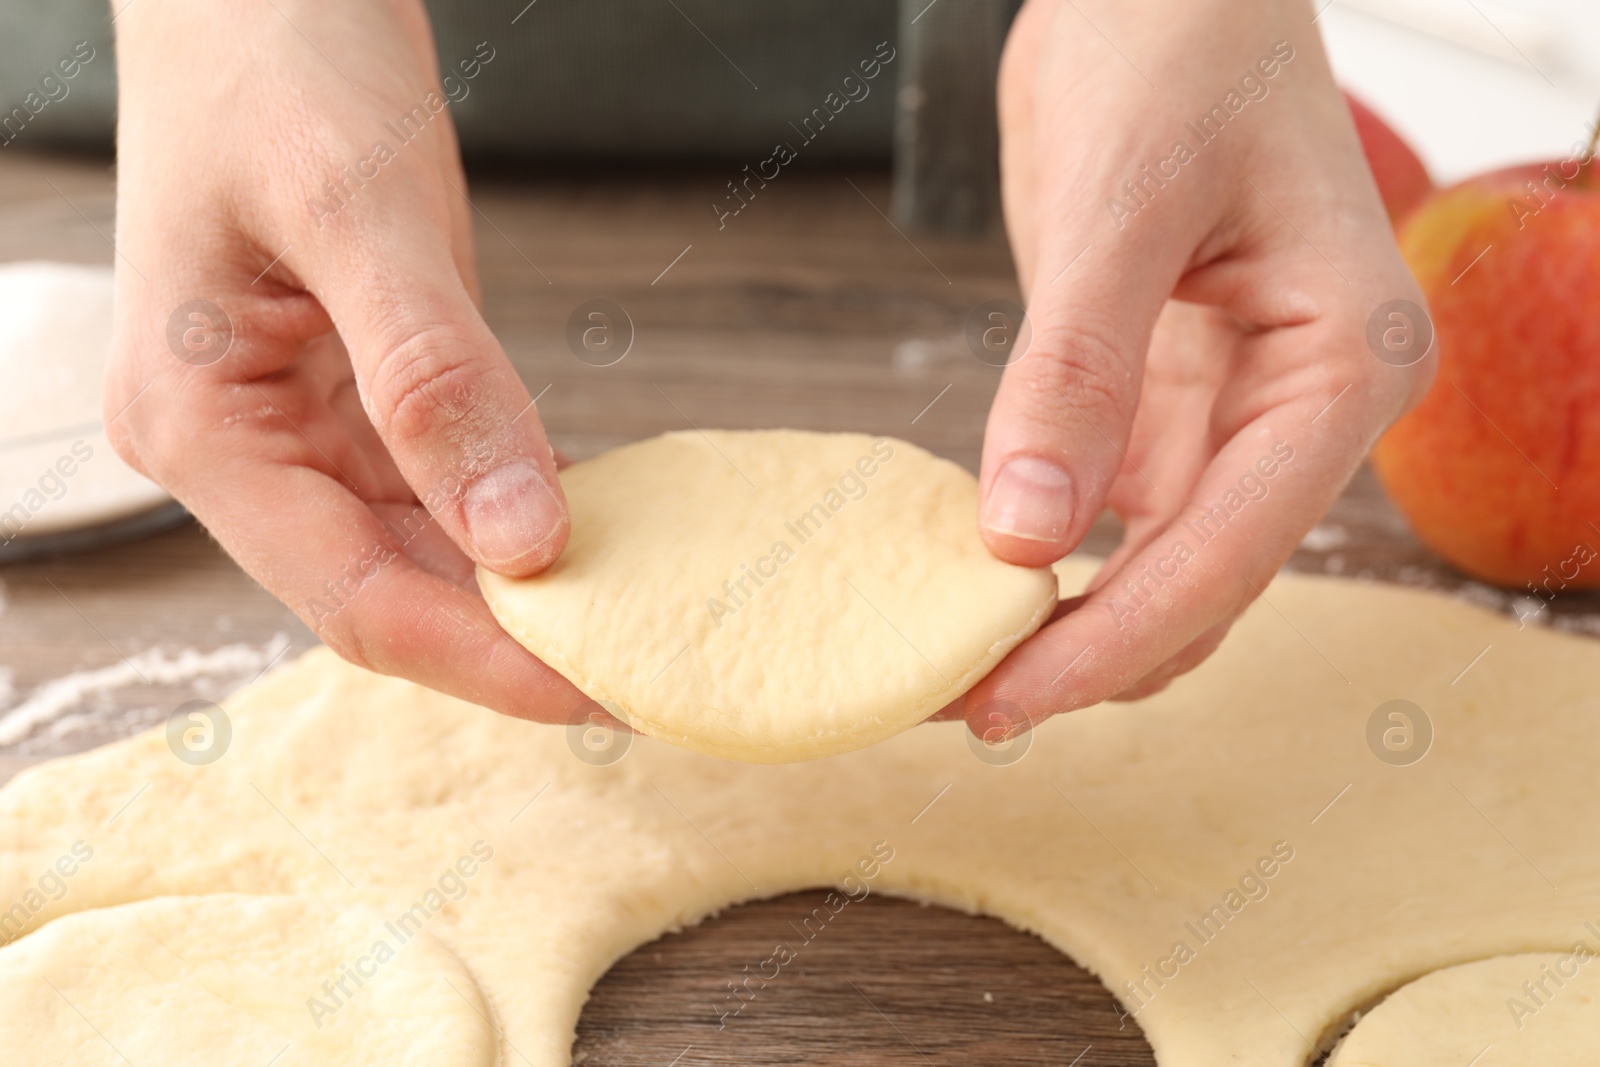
772, 595
57, 470
225, 979
1539, 1010
1121, 832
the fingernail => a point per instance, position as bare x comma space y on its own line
1002, 730
1031, 498
510, 512
1016, 730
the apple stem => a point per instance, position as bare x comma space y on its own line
1585, 176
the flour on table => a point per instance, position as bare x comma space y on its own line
153, 666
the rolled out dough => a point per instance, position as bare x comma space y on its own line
1536, 1010
1240, 815
772, 595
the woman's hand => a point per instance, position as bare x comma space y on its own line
298, 356
1201, 247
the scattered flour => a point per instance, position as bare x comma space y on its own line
919, 354
56, 698
1324, 538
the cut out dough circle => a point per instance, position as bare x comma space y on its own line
1121, 827
1535, 1010
772, 595
205, 980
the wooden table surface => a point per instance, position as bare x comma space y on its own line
808, 310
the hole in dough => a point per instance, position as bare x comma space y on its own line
228, 979
926, 968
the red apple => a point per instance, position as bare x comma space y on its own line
1498, 469
1402, 179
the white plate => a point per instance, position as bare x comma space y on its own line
58, 473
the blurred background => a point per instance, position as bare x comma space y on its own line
1469, 83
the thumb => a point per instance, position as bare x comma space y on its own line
1059, 425
448, 405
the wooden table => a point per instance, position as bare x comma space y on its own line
808, 309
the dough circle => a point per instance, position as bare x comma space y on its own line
1529, 1010
772, 596
203, 980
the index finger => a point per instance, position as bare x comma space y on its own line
350, 579
438, 387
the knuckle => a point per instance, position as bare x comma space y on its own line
346, 643
423, 385
122, 432
135, 411
1346, 358
1077, 368
124, 443
341, 625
